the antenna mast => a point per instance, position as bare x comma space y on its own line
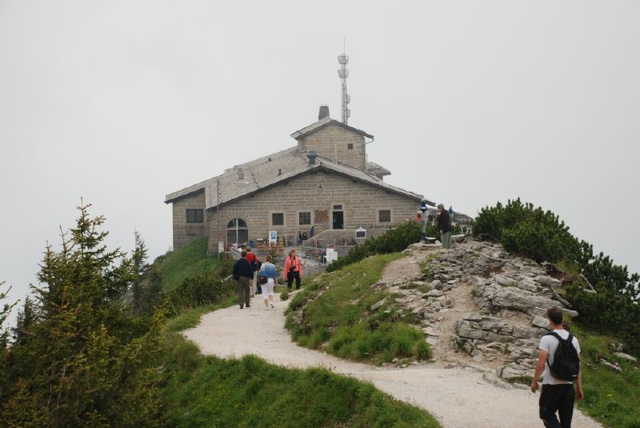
344, 73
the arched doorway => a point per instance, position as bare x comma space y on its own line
237, 231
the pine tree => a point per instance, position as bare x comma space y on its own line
141, 267
87, 361
27, 317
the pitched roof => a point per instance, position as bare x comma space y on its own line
270, 170
326, 121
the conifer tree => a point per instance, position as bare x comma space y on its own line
87, 361
141, 267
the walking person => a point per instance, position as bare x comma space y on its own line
242, 274
558, 395
255, 265
424, 209
292, 270
268, 270
443, 222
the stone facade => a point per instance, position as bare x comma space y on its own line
318, 193
183, 232
326, 176
334, 141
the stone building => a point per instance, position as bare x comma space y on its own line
323, 185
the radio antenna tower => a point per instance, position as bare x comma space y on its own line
344, 73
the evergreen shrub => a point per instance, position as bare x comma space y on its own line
392, 241
532, 232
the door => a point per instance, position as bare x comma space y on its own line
338, 219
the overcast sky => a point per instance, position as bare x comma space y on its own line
470, 102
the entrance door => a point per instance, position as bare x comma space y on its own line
338, 219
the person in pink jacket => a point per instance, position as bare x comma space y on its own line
292, 270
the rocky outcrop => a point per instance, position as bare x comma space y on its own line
511, 296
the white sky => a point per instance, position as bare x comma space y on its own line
470, 102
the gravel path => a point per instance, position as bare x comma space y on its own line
457, 397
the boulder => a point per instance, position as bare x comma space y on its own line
547, 280
505, 281
538, 321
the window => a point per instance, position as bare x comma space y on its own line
337, 207
350, 146
384, 216
304, 218
237, 231
195, 216
277, 219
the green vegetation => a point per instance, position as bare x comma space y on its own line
211, 392
392, 241
79, 354
611, 398
348, 318
614, 308
528, 231
91, 350
189, 260
190, 317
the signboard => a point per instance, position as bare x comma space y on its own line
273, 237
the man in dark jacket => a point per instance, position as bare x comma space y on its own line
443, 222
242, 274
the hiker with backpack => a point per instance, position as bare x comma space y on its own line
559, 358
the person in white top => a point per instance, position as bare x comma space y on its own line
557, 396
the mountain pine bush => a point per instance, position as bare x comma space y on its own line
532, 232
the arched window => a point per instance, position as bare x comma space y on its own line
237, 231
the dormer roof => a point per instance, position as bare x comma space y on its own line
323, 123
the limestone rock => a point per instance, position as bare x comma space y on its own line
625, 356
547, 280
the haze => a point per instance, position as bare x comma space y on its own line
122, 102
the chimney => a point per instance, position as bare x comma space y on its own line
312, 157
240, 173
324, 112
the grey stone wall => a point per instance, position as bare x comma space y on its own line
316, 192
183, 232
334, 140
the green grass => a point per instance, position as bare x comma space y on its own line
338, 316
611, 398
212, 392
190, 317
186, 261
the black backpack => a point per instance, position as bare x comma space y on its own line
566, 361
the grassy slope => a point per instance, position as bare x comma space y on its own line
210, 392
188, 260
339, 318
611, 398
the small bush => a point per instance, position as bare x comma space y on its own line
392, 241
284, 295
201, 289
528, 231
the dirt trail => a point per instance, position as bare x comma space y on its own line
458, 397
